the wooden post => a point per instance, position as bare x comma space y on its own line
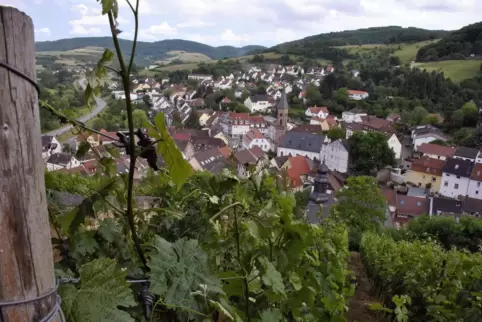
26, 262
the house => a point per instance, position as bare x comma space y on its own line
249, 160
426, 134
320, 112
59, 161
455, 177
201, 160
436, 151
354, 115
186, 147
238, 124
200, 77
478, 159
465, 153
404, 208
445, 207
299, 143
336, 155
394, 118
50, 145
255, 138
475, 185
258, 103
472, 207
426, 172
325, 123
298, 170
308, 128
357, 95
92, 138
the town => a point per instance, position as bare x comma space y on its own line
251, 129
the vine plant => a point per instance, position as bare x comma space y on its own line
220, 249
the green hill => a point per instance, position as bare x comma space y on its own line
147, 52
460, 44
327, 45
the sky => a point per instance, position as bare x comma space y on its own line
243, 22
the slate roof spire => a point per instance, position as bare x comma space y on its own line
283, 102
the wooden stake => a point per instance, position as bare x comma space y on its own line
26, 263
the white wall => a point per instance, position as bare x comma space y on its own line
350, 117
435, 156
395, 145
293, 152
475, 189
419, 141
447, 186
72, 164
335, 156
262, 143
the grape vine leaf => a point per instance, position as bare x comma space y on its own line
107, 5
226, 310
179, 269
108, 230
271, 277
179, 169
271, 315
103, 287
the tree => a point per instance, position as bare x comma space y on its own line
192, 121
470, 113
313, 95
176, 119
361, 204
241, 108
370, 151
395, 61
245, 95
457, 119
336, 133
342, 95
98, 124
439, 142
431, 119
84, 148
419, 114
140, 118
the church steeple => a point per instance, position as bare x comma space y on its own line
319, 194
282, 110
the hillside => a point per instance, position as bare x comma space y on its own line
460, 44
324, 45
147, 52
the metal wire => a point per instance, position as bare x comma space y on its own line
20, 74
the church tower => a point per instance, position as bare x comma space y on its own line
282, 111
319, 194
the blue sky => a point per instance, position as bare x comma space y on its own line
243, 22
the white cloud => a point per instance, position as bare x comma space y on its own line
194, 24
80, 30
155, 32
229, 36
43, 31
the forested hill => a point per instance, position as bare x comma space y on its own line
153, 50
322, 45
460, 44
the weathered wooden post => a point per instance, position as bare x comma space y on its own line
26, 262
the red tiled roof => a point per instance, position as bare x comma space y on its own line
436, 149
257, 151
393, 117
428, 165
112, 134
377, 123
298, 166
316, 110
80, 170
238, 116
182, 136
330, 119
91, 165
477, 172
254, 134
406, 205
353, 92
225, 151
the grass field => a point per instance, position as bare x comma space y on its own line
406, 52
456, 70
185, 57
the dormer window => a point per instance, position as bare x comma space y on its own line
456, 166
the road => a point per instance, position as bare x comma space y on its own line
100, 105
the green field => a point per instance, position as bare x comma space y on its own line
406, 52
456, 70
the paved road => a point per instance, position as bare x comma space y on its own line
100, 106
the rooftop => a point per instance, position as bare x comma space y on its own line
436, 149
464, 152
458, 167
428, 165
302, 141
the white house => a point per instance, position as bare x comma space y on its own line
478, 159
200, 77
436, 151
336, 155
257, 103
320, 112
455, 178
235, 124
301, 143
255, 138
396, 146
466, 153
61, 161
353, 116
475, 185
120, 95
50, 145
357, 95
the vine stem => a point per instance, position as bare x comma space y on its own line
124, 72
238, 254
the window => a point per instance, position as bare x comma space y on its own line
419, 203
478, 184
458, 177
446, 184
477, 192
402, 202
456, 186
456, 166
434, 179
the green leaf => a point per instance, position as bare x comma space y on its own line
179, 269
84, 244
107, 5
179, 169
271, 315
214, 199
295, 281
271, 277
103, 287
89, 95
232, 283
108, 230
226, 310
